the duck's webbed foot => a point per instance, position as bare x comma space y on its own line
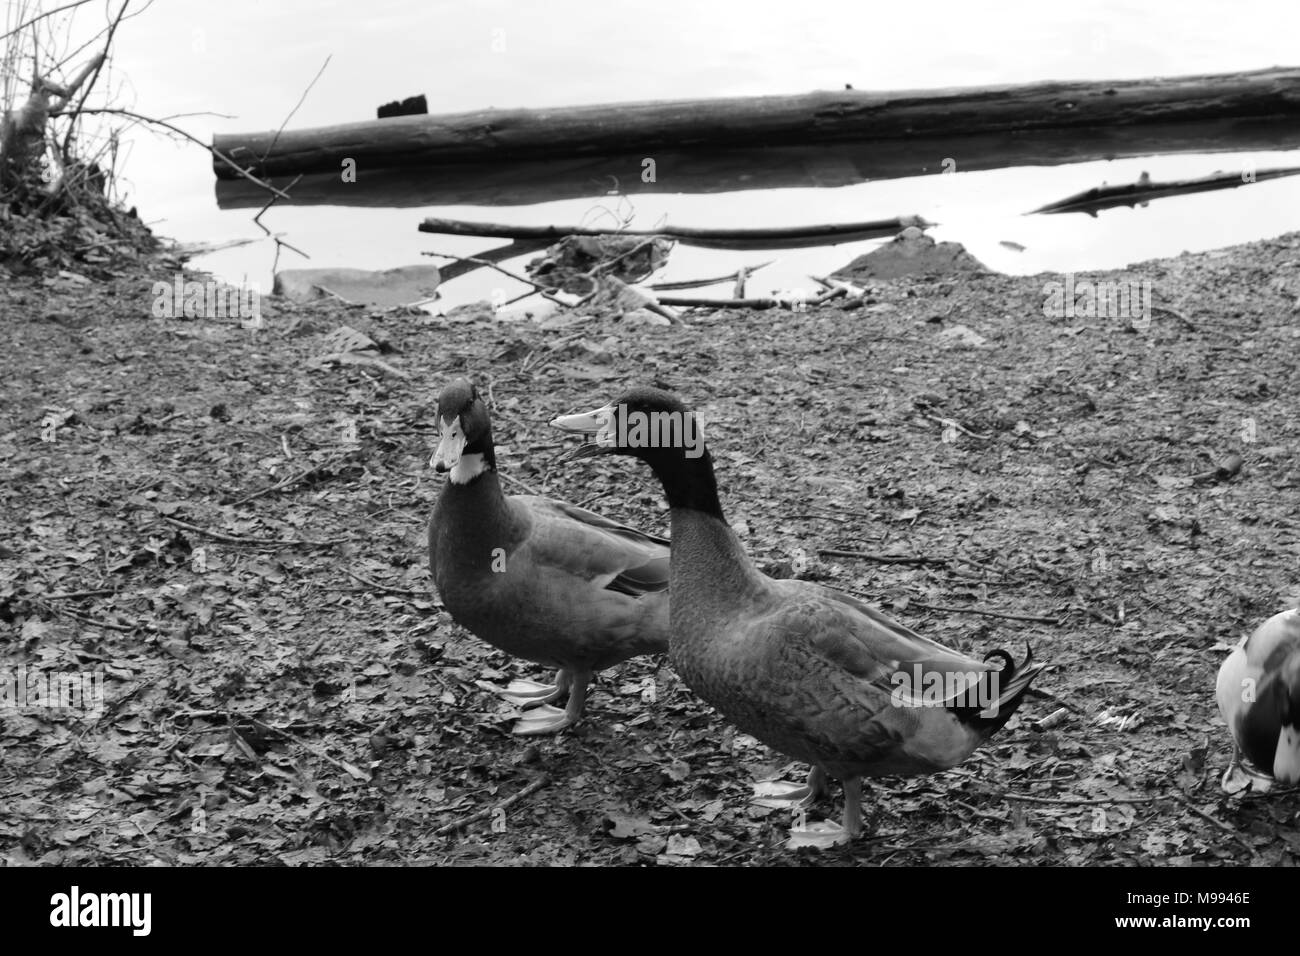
528, 693
545, 719
782, 794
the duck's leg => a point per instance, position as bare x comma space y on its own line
1241, 776
549, 720
853, 807
1232, 770
779, 794
527, 693
825, 834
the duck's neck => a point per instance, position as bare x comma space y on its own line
707, 556
477, 517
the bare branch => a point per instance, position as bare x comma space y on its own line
42, 16
153, 121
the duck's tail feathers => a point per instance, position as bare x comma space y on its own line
1001, 692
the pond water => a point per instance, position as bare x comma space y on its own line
254, 60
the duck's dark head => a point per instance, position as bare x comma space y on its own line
465, 448
655, 426
646, 423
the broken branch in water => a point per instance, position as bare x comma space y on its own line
545, 291
1144, 190
795, 303
705, 283
784, 237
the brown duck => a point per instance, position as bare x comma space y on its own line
810, 671
538, 578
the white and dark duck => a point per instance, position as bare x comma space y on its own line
810, 671
538, 578
1258, 692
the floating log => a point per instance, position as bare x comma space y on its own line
513, 135
1144, 190
788, 237
734, 170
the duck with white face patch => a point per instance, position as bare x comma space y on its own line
1258, 692
535, 577
810, 671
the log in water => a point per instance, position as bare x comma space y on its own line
513, 135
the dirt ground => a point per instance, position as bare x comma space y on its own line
232, 537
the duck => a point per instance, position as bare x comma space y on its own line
812, 672
538, 578
1258, 693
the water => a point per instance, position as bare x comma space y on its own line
254, 60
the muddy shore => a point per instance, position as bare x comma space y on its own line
230, 533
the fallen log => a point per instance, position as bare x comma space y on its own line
513, 135
527, 182
787, 237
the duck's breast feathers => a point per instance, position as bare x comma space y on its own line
609, 555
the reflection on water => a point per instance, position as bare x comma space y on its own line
254, 60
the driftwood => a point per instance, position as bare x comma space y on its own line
683, 284
1144, 190
514, 135
527, 182
788, 237
796, 302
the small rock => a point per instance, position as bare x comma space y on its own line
480, 311
644, 317
962, 336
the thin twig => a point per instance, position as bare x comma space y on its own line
952, 423
352, 771
1080, 801
254, 542
983, 613
290, 480
99, 66
302, 99
705, 283
1231, 831
83, 619
527, 791
384, 587
542, 290
882, 558
239, 170
42, 16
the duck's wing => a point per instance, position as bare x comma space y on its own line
871, 636
875, 694
609, 555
